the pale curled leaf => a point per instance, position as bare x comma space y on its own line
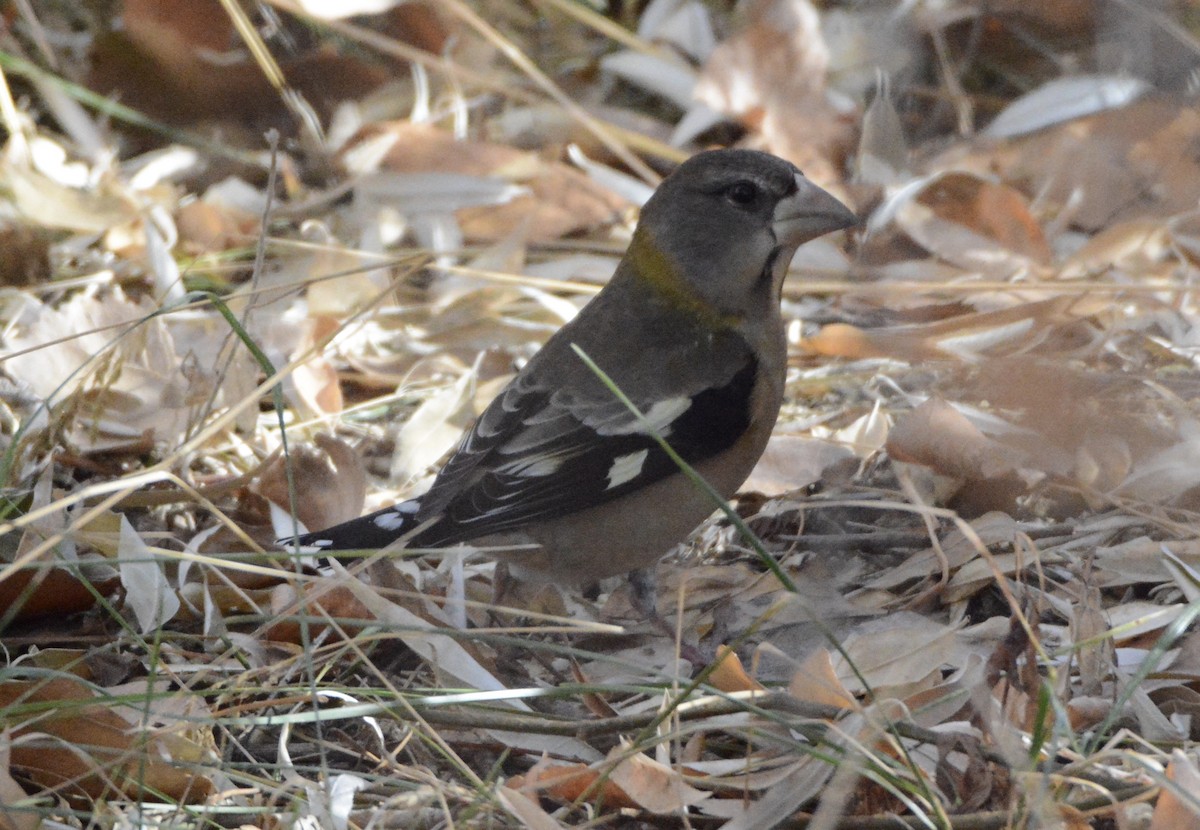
1063, 99
147, 590
526, 809
660, 74
792, 462
682, 23
651, 785
434, 429
12, 793
898, 651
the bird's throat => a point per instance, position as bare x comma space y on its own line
656, 270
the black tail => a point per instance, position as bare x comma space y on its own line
376, 530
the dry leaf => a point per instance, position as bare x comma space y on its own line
771, 75
967, 220
569, 783
83, 747
206, 227
1094, 651
1111, 167
560, 200
1173, 812
48, 592
316, 380
816, 681
791, 463
526, 809
338, 603
330, 481
654, 787
180, 61
1049, 326
147, 591
902, 650
730, 675
937, 435
1084, 713
11, 793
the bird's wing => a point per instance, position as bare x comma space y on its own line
538, 452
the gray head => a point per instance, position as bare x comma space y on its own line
727, 223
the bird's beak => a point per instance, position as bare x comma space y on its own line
808, 213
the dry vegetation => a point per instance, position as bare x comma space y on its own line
225, 223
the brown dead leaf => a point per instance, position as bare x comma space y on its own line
1084, 712
792, 462
1095, 651
1015, 683
181, 61
339, 603
1180, 703
894, 656
1051, 326
962, 770
993, 211
730, 675
963, 219
652, 786
845, 340
636, 781
330, 480
943, 702
24, 255
1114, 166
206, 227
12, 793
1173, 812
247, 594
1097, 428
561, 200
993, 529
48, 592
595, 703
937, 435
771, 76
316, 380
65, 740
816, 681
526, 809
1134, 246
568, 783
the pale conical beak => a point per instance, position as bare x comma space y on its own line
808, 213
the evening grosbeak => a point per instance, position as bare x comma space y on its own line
556, 468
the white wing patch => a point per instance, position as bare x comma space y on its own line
532, 467
394, 518
626, 468
661, 415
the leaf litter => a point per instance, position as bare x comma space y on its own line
983, 482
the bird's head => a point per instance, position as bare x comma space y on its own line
723, 227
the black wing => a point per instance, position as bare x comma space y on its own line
537, 453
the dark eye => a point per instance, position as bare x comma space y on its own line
743, 193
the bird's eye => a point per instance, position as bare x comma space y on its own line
743, 193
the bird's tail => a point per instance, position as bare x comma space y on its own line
370, 532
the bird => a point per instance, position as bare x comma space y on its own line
557, 478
